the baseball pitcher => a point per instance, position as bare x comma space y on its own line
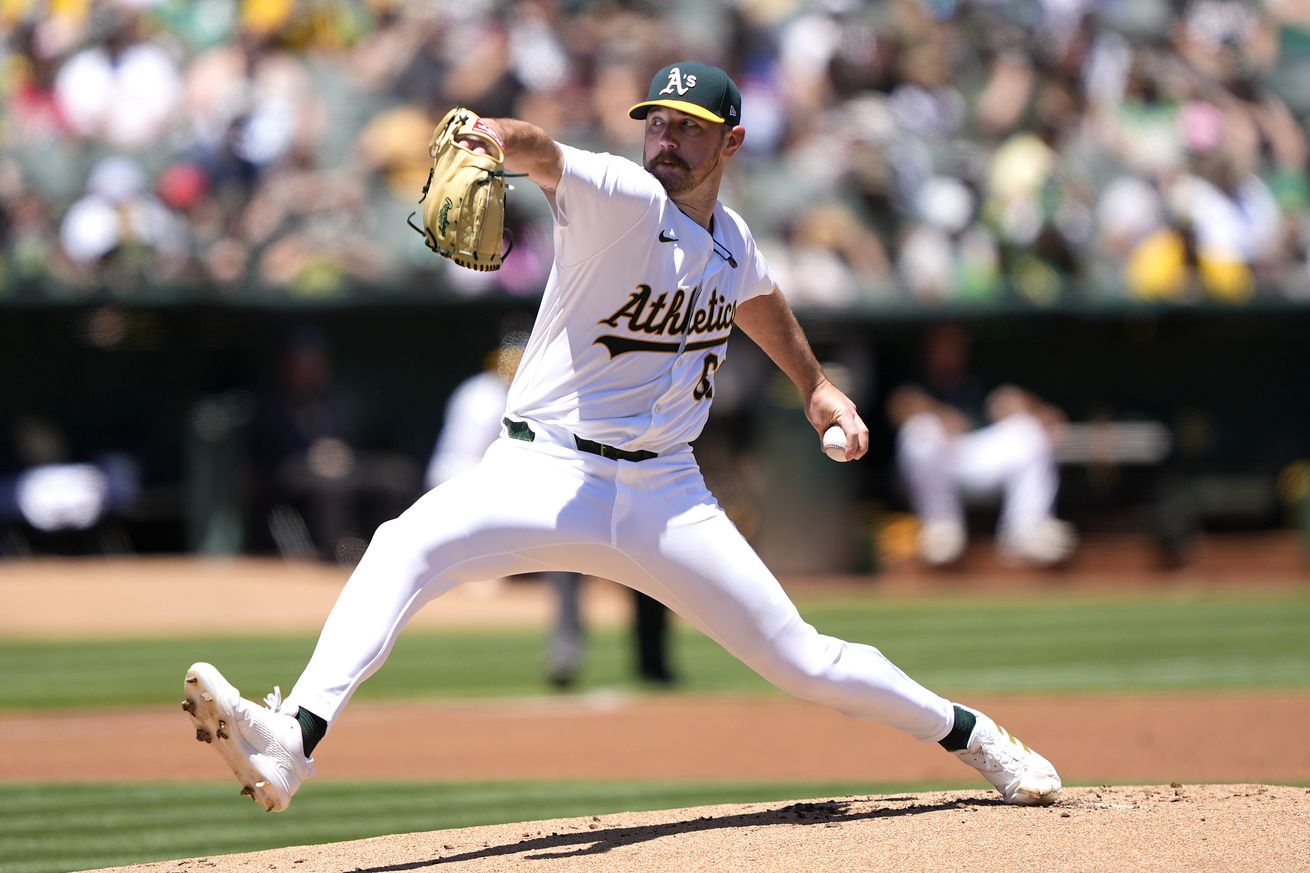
594, 471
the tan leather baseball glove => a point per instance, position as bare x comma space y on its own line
464, 198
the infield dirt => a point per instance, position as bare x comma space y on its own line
1153, 828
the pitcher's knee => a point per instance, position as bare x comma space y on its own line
401, 545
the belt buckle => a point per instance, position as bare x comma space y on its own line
609, 452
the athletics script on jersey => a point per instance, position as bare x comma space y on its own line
668, 315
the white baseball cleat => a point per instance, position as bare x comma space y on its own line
941, 542
1047, 542
1023, 777
261, 744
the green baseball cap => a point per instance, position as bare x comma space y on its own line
697, 89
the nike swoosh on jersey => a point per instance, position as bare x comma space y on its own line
664, 237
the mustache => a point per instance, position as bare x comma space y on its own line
666, 159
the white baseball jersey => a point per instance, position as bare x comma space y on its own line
636, 314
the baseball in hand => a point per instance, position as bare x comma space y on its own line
834, 443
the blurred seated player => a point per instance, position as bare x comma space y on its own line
472, 423
956, 441
49, 498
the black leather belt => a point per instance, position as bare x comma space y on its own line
612, 453
520, 430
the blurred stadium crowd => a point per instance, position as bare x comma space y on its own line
899, 153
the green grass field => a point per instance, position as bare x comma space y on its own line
1185, 641
1182, 641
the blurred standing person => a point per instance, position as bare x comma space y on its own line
315, 487
301, 450
472, 423
473, 413
955, 439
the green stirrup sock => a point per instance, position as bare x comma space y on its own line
312, 729
958, 738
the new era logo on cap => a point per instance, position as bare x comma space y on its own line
695, 88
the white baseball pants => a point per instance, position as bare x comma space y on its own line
652, 525
1013, 456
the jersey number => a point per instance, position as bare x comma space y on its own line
705, 388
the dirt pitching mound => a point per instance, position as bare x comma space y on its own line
1147, 828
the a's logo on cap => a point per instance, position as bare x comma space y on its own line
678, 83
